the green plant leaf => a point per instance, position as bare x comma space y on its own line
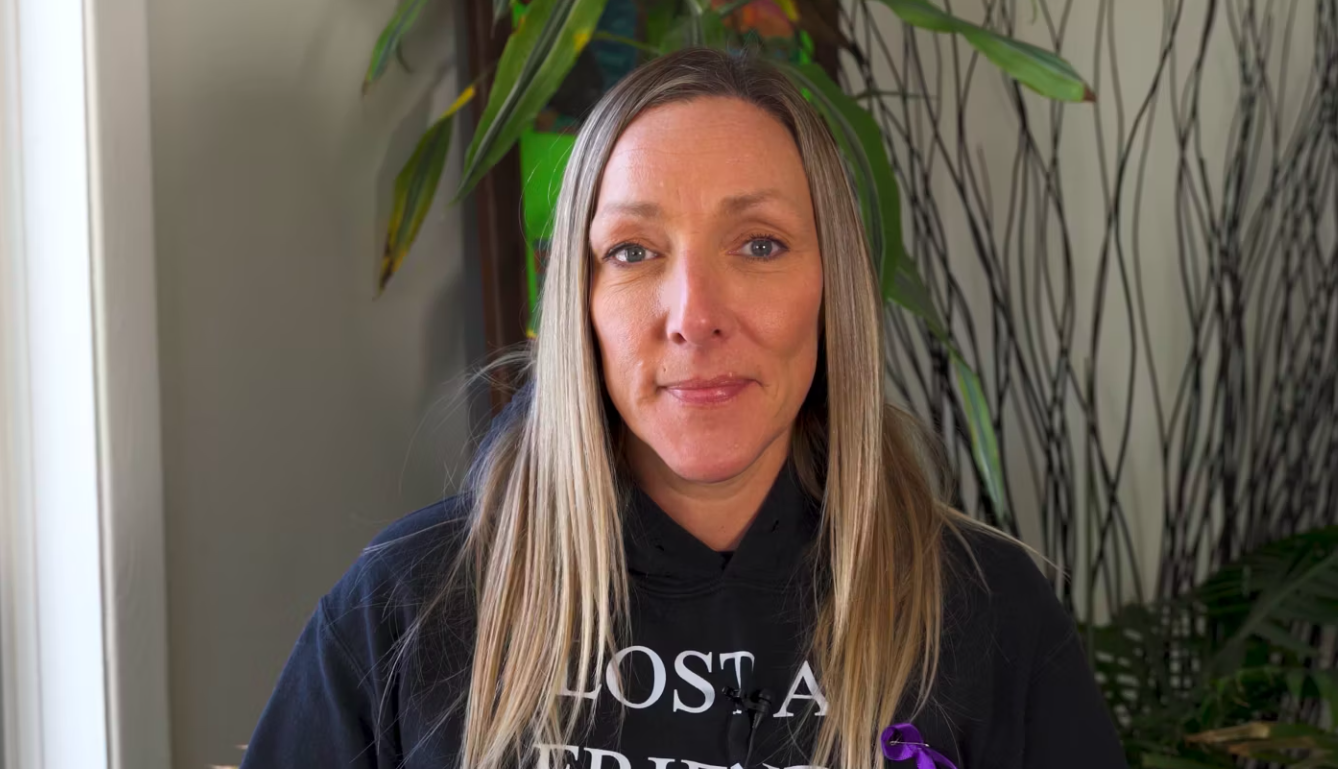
705, 24
1328, 692
1240, 615
660, 17
415, 188
903, 285
538, 55
1132, 656
691, 25
1276, 584
1296, 683
499, 9
861, 143
391, 37
926, 15
1036, 68
1281, 638
984, 443
699, 26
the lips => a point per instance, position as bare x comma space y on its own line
708, 392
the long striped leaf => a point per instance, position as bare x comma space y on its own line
415, 188
903, 285
926, 15
540, 52
1036, 68
690, 31
698, 27
984, 442
391, 37
861, 143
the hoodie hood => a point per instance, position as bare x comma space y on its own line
775, 547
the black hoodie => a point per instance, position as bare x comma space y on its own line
715, 675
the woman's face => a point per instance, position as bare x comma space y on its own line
706, 287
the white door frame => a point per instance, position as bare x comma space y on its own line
83, 640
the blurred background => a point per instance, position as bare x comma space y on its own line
1112, 289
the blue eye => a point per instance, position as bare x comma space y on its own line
763, 247
630, 253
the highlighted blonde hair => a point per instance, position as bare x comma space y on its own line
545, 549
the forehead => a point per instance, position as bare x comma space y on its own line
693, 157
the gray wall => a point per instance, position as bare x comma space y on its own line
301, 413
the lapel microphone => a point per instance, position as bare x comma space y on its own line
757, 705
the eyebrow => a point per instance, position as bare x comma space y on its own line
737, 204
730, 206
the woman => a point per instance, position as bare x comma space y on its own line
699, 538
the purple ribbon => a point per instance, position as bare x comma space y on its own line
902, 742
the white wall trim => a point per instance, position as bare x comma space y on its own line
130, 435
21, 725
83, 641
61, 452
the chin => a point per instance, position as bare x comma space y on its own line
704, 472
703, 463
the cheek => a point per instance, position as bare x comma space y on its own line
789, 323
621, 336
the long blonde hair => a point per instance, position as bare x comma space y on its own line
545, 549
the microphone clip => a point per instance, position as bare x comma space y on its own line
758, 703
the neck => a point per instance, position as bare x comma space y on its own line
717, 513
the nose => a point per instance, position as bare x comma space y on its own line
696, 296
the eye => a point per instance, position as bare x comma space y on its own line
630, 253
763, 247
